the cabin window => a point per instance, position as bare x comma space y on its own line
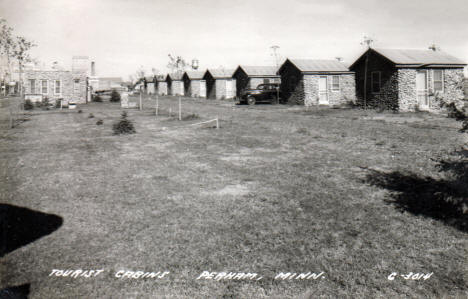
32, 84
44, 86
266, 80
438, 78
375, 82
335, 80
57, 87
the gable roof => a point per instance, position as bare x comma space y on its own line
175, 76
412, 56
416, 58
259, 71
318, 65
160, 78
221, 73
195, 75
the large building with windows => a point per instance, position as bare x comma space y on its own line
408, 79
55, 84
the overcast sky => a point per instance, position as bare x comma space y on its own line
123, 35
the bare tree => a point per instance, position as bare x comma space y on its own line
6, 48
177, 64
21, 53
140, 73
155, 71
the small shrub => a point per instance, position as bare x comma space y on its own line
96, 98
28, 105
454, 112
91, 115
417, 109
99, 122
123, 126
115, 96
58, 103
45, 102
80, 111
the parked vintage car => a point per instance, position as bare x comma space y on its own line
267, 92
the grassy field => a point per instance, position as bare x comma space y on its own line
275, 189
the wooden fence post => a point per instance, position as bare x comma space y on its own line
180, 109
157, 105
141, 91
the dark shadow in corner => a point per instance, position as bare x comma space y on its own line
439, 199
18, 292
20, 226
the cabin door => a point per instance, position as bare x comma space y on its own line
421, 89
203, 88
322, 90
229, 88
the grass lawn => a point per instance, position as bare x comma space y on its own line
275, 189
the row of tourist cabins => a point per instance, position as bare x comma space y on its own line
397, 79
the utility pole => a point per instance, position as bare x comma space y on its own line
275, 48
275, 54
368, 42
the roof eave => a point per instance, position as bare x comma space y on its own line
264, 76
326, 72
421, 65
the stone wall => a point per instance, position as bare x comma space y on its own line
452, 89
407, 99
388, 95
150, 88
162, 88
292, 84
225, 89
196, 89
177, 88
73, 85
345, 94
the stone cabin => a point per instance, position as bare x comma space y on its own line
408, 79
57, 84
175, 85
249, 77
194, 84
316, 82
150, 85
220, 84
161, 85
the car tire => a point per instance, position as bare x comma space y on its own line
251, 101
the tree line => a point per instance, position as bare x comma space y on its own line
13, 48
